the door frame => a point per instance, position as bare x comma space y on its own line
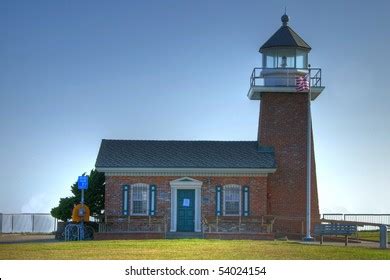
186, 183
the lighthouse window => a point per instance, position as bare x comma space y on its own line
301, 59
232, 200
286, 58
270, 61
139, 199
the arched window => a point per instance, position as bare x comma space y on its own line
139, 199
232, 200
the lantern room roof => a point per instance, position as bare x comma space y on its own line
285, 37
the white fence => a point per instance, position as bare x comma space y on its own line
27, 223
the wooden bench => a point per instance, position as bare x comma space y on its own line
334, 229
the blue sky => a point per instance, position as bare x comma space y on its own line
73, 73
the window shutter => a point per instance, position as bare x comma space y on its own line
125, 200
245, 201
152, 200
218, 200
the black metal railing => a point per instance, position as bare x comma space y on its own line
284, 77
368, 218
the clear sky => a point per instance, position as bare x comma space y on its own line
74, 72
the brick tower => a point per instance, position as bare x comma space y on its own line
283, 124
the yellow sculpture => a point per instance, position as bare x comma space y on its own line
80, 213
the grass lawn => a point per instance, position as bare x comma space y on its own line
371, 235
186, 249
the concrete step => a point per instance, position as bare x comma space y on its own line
184, 235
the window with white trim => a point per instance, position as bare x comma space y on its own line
231, 200
139, 199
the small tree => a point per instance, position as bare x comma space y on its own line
64, 210
93, 197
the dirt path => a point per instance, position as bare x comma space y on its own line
25, 238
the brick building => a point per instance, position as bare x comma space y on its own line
224, 189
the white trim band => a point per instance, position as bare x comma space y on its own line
252, 172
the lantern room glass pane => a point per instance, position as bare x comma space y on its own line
269, 59
286, 58
301, 59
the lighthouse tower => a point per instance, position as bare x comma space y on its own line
285, 124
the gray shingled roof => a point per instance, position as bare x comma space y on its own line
184, 154
285, 37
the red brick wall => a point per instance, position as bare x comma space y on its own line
113, 203
283, 125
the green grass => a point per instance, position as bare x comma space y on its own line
186, 249
371, 235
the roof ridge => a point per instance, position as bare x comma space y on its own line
175, 140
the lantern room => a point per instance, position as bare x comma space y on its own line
285, 49
285, 57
